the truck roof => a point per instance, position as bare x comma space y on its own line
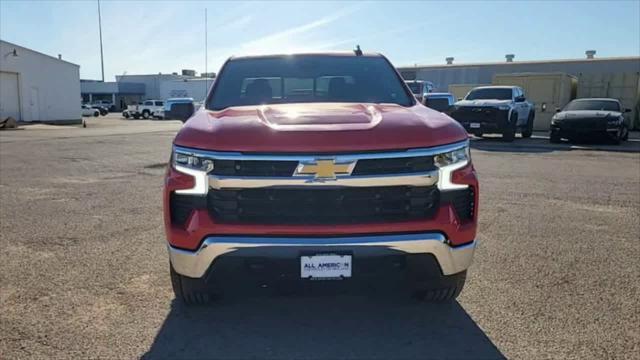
497, 87
326, 53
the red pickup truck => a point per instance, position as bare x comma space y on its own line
317, 168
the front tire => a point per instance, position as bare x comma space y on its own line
509, 133
189, 290
145, 114
554, 137
445, 289
528, 131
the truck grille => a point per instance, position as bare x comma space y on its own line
323, 205
272, 168
479, 114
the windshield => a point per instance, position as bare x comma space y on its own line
605, 105
307, 78
489, 94
415, 87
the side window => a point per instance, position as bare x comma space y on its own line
159, 103
149, 103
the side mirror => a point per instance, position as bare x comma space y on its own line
558, 110
180, 111
520, 99
627, 110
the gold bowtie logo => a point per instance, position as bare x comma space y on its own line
324, 169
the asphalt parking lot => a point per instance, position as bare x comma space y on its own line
84, 270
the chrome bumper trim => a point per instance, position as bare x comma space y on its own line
339, 158
416, 179
451, 259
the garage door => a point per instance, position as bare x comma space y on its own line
9, 98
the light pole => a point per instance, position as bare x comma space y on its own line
100, 29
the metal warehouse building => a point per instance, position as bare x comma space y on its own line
617, 77
38, 87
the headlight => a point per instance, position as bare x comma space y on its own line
555, 121
192, 161
449, 162
614, 121
196, 166
503, 107
452, 157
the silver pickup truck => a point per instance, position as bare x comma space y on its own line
495, 109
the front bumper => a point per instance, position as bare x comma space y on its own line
195, 264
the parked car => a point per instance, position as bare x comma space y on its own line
89, 111
356, 182
496, 109
420, 88
103, 110
442, 102
106, 104
178, 108
588, 118
146, 109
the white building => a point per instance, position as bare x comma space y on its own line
186, 88
38, 87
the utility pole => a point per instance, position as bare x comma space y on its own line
100, 29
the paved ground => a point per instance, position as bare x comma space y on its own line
84, 269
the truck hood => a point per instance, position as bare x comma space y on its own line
319, 128
584, 114
483, 102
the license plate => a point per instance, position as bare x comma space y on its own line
474, 125
325, 267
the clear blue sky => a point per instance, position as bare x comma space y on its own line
152, 37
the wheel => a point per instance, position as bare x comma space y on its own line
554, 137
190, 291
625, 137
96, 114
528, 131
125, 114
445, 289
509, 133
145, 114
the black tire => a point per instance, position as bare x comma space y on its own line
445, 289
96, 114
145, 114
528, 131
189, 290
509, 133
554, 137
126, 115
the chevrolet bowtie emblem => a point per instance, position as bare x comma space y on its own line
324, 169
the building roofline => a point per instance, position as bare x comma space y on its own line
38, 52
528, 62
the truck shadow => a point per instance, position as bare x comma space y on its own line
321, 327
